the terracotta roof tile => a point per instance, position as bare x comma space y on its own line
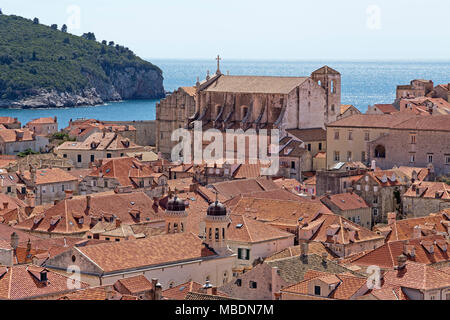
134, 285
155, 250
20, 282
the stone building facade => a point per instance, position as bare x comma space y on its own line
172, 113
392, 140
382, 191
259, 102
423, 198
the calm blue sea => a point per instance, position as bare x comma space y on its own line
363, 84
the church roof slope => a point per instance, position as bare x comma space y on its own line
255, 84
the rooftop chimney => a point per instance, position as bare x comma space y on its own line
392, 216
118, 223
88, 202
208, 288
304, 249
373, 165
109, 293
14, 240
417, 232
5, 205
69, 194
157, 289
401, 262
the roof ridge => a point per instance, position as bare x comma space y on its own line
246, 228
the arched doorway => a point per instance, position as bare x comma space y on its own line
380, 151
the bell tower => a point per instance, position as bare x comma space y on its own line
216, 223
330, 80
175, 215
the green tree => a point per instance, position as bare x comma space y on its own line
89, 36
54, 26
64, 28
36, 21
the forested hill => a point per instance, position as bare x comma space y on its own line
42, 66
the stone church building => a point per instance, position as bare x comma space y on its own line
244, 102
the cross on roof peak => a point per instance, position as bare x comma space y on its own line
218, 64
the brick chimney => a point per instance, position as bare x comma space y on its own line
118, 223
69, 194
392, 217
304, 249
417, 232
401, 262
88, 202
156, 290
109, 293
14, 240
31, 199
32, 174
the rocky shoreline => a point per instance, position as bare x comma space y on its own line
126, 84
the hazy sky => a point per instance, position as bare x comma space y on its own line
257, 29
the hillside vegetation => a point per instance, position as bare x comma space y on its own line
38, 57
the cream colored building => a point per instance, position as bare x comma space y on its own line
99, 145
159, 257
399, 139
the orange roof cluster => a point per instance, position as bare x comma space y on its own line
417, 276
79, 214
42, 121
384, 178
8, 120
230, 189
408, 228
16, 135
244, 229
133, 285
430, 190
23, 282
181, 291
157, 250
330, 228
397, 121
83, 127
386, 108
309, 135
49, 176
280, 212
346, 201
317, 248
101, 141
127, 171
427, 250
345, 286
